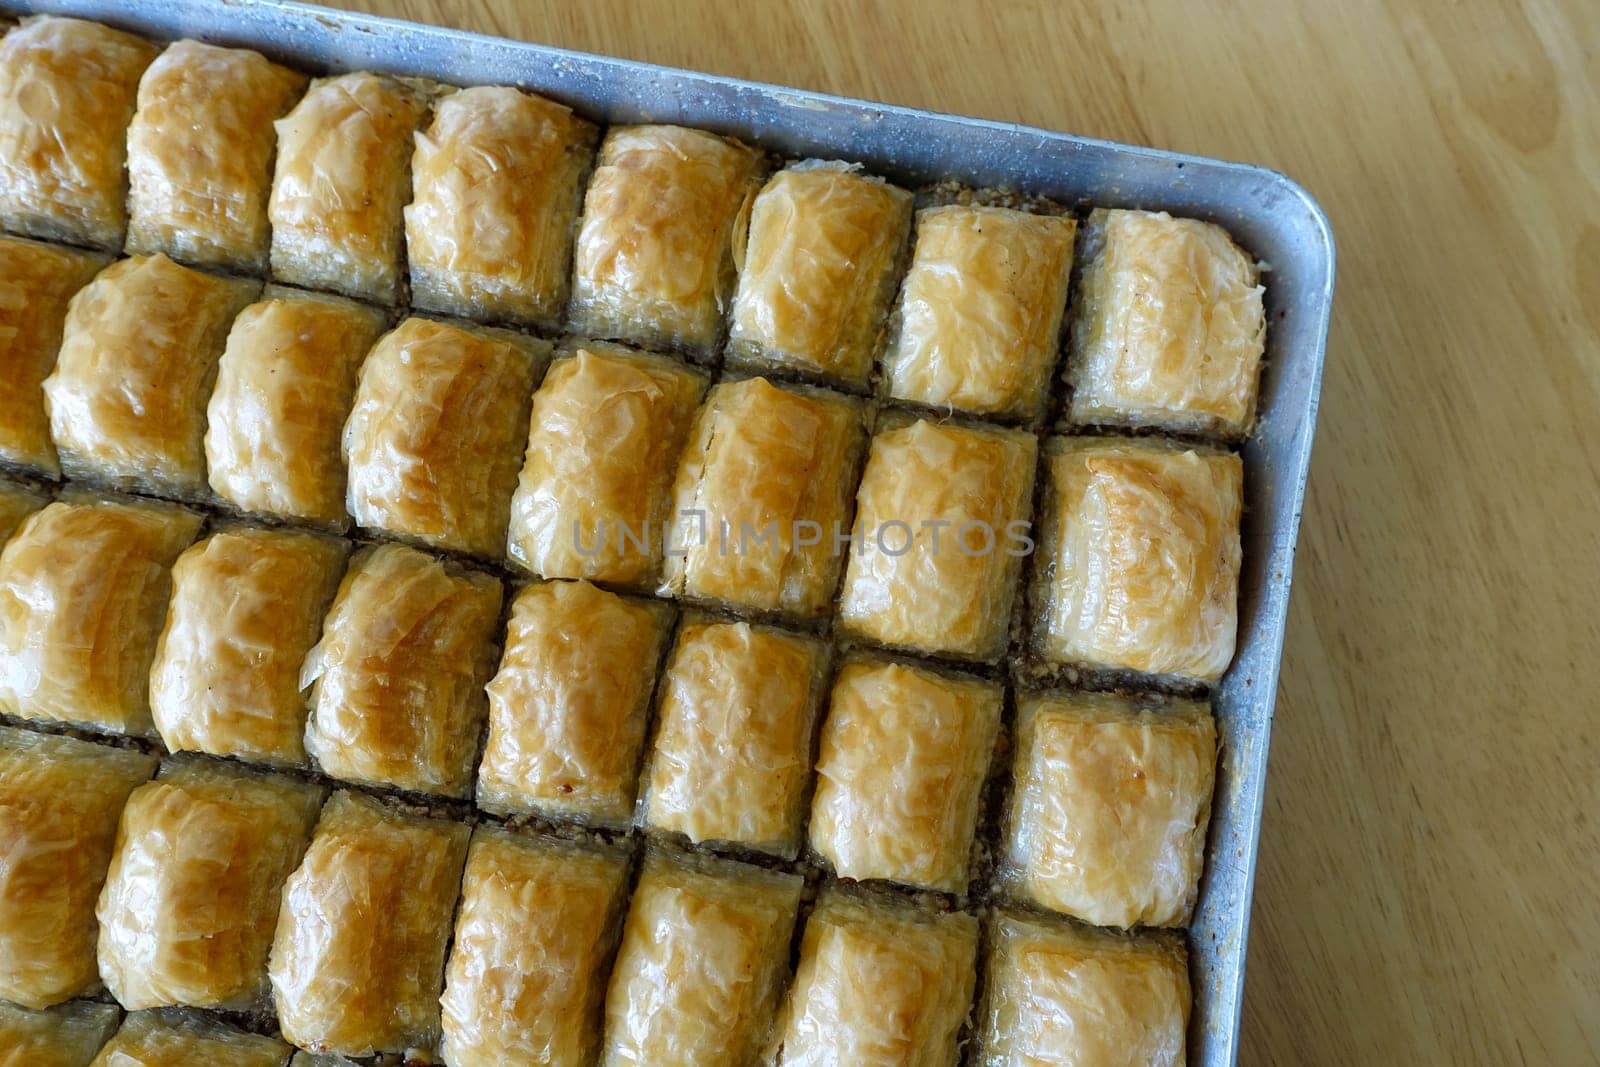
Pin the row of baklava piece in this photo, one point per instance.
(752, 739)
(366, 928)
(664, 237)
(619, 466)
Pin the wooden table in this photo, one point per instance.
(1429, 884)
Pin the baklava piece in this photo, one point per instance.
(497, 181)
(900, 774)
(181, 1039)
(607, 428)
(435, 438)
(357, 963)
(1062, 994)
(1168, 327)
(36, 283)
(570, 704)
(1110, 805)
(343, 178)
(655, 259)
(881, 983)
(704, 953)
(397, 680)
(67, 90)
(190, 901)
(83, 595)
(732, 751)
(820, 269)
(535, 932)
(64, 1036)
(1139, 557)
(978, 328)
(200, 155)
(247, 605)
(285, 386)
(60, 799)
(127, 398)
(940, 532)
(17, 502)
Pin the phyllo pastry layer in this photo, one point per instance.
(181, 1039)
(17, 501)
(65, 1036)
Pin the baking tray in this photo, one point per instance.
(1267, 213)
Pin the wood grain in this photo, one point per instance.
(1429, 886)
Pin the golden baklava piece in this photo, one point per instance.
(1168, 327)
(534, 935)
(497, 181)
(36, 283)
(569, 706)
(704, 954)
(139, 351)
(880, 983)
(83, 595)
(655, 259)
(1109, 807)
(900, 772)
(1139, 557)
(820, 268)
(607, 427)
(68, 1035)
(435, 438)
(342, 180)
(60, 799)
(200, 155)
(397, 680)
(1063, 994)
(979, 322)
(67, 91)
(763, 487)
(941, 517)
(191, 898)
(180, 1038)
(17, 501)
(247, 605)
(285, 386)
(732, 752)
(358, 958)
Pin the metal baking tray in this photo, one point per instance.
(1267, 213)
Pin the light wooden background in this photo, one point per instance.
(1429, 886)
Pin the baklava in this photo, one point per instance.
(900, 773)
(200, 155)
(180, 1039)
(127, 398)
(64, 1036)
(188, 909)
(940, 532)
(83, 595)
(731, 757)
(60, 799)
(820, 268)
(1139, 557)
(285, 386)
(1168, 327)
(397, 680)
(1062, 994)
(704, 954)
(880, 983)
(607, 428)
(663, 215)
(1109, 807)
(17, 501)
(342, 179)
(67, 92)
(978, 327)
(534, 935)
(357, 962)
(247, 605)
(762, 491)
(435, 438)
(36, 283)
(497, 180)
(569, 706)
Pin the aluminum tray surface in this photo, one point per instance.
(1267, 213)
